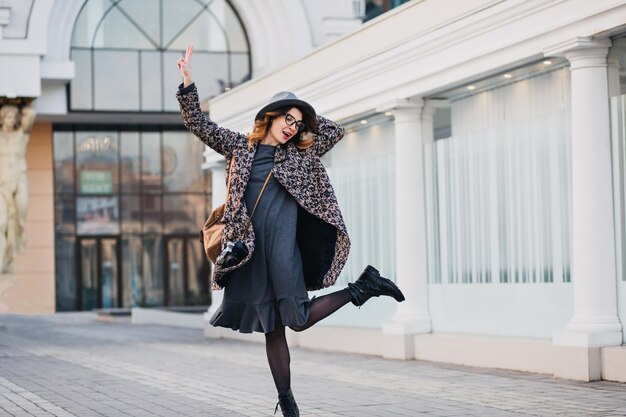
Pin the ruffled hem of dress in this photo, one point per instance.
(262, 318)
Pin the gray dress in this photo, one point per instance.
(269, 290)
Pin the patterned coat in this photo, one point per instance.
(321, 233)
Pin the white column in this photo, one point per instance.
(615, 53)
(412, 315)
(216, 163)
(595, 322)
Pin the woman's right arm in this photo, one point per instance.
(221, 140)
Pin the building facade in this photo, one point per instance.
(482, 168)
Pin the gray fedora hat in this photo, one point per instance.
(285, 99)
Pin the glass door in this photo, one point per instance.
(99, 277)
(186, 272)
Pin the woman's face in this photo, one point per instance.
(282, 132)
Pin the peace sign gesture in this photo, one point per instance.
(184, 65)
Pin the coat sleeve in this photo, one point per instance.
(326, 135)
(221, 140)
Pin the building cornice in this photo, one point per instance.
(482, 38)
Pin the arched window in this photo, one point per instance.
(125, 52)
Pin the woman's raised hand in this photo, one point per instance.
(184, 65)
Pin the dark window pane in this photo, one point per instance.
(182, 163)
(151, 162)
(153, 271)
(183, 213)
(64, 212)
(130, 162)
(63, 162)
(97, 160)
(175, 272)
(109, 270)
(131, 213)
(65, 265)
(151, 213)
(199, 273)
(89, 269)
(132, 278)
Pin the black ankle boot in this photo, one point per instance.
(287, 405)
(371, 284)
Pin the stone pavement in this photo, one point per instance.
(75, 365)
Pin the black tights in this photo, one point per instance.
(276, 342)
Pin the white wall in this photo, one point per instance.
(361, 171)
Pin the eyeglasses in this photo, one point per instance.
(290, 120)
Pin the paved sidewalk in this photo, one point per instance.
(74, 365)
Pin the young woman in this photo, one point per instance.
(296, 239)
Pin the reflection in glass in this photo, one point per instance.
(97, 155)
(64, 162)
(151, 207)
(153, 271)
(182, 163)
(97, 216)
(133, 287)
(183, 213)
(89, 273)
(151, 162)
(131, 214)
(109, 270)
(64, 214)
(130, 162)
(175, 272)
(120, 188)
(198, 274)
(65, 266)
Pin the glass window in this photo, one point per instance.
(132, 278)
(65, 266)
(64, 162)
(130, 162)
(97, 216)
(115, 191)
(153, 294)
(125, 51)
(151, 162)
(116, 87)
(150, 78)
(131, 214)
(64, 216)
(182, 163)
(151, 211)
(97, 159)
(183, 213)
(81, 93)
